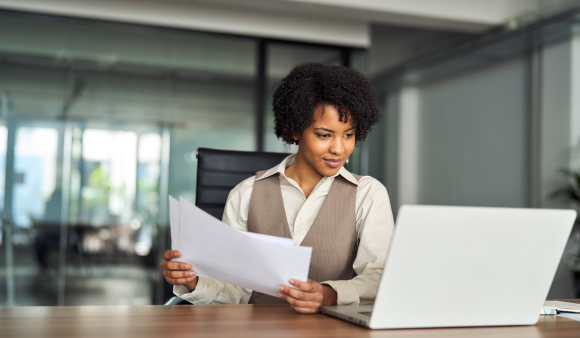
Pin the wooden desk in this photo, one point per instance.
(236, 321)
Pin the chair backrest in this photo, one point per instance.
(219, 171)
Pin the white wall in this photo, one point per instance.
(492, 136)
(461, 140)
(472, 137)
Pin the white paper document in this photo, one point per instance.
(570, 315)
(254, 261)
(174, 222)
(562, 306)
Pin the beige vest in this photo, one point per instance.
(333, 235)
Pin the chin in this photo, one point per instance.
(326, 171)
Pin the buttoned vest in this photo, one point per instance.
(332, 236)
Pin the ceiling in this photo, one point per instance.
(336, 22)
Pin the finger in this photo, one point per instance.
(305, 310)
(177, 266)
(299, 303)
(305, 286)
(169, 254)
(169, 265)
(179, 281)
(301, 295)
(178, 274)
(288, 299)
(305, 304)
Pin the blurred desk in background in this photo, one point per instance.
(84, 264)
(229, 321)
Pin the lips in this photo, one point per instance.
(332, 163)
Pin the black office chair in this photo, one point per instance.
(218, 172)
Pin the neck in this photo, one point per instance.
(303, 173)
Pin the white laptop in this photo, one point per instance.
(465, 266)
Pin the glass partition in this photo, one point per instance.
(35, 202)
(99, 122)
(91, 104)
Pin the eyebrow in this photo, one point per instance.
(332, 131)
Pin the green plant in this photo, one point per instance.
(96, 192)
(571, 192)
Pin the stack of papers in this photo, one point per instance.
(254, 261)
(562, 309)
(552, 307)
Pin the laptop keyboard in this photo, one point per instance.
(368, 313)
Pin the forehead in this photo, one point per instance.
(328, 114)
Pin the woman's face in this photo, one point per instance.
(327, 142)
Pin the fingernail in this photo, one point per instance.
(188, 266)
(292, 281)
(191, 274)
(281, 288)
(280, 295)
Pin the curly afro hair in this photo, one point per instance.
(310, 85)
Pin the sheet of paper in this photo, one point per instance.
(254, 261)
(273, 239)
(174, 222)
(570, 315)
(562, 306)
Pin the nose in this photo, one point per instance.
(337, 146)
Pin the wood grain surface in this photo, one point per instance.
(237, 321)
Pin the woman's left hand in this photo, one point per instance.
(310, 297)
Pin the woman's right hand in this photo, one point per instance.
(178, 273)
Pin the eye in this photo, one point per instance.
(323, 136)
(349, 135)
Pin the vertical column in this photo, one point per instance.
(260, 94)
(533, 127)
(554, 120)
(7, 217)
(408, 187)
(391, 146)
(64, 211)
(575, 102)
(163, 210)
(345, 57)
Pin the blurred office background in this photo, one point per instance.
(104, 103)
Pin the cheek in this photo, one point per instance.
(317, 147)
(322, 148)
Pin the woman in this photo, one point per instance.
(311, 198)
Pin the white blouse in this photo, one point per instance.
(374, 224)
